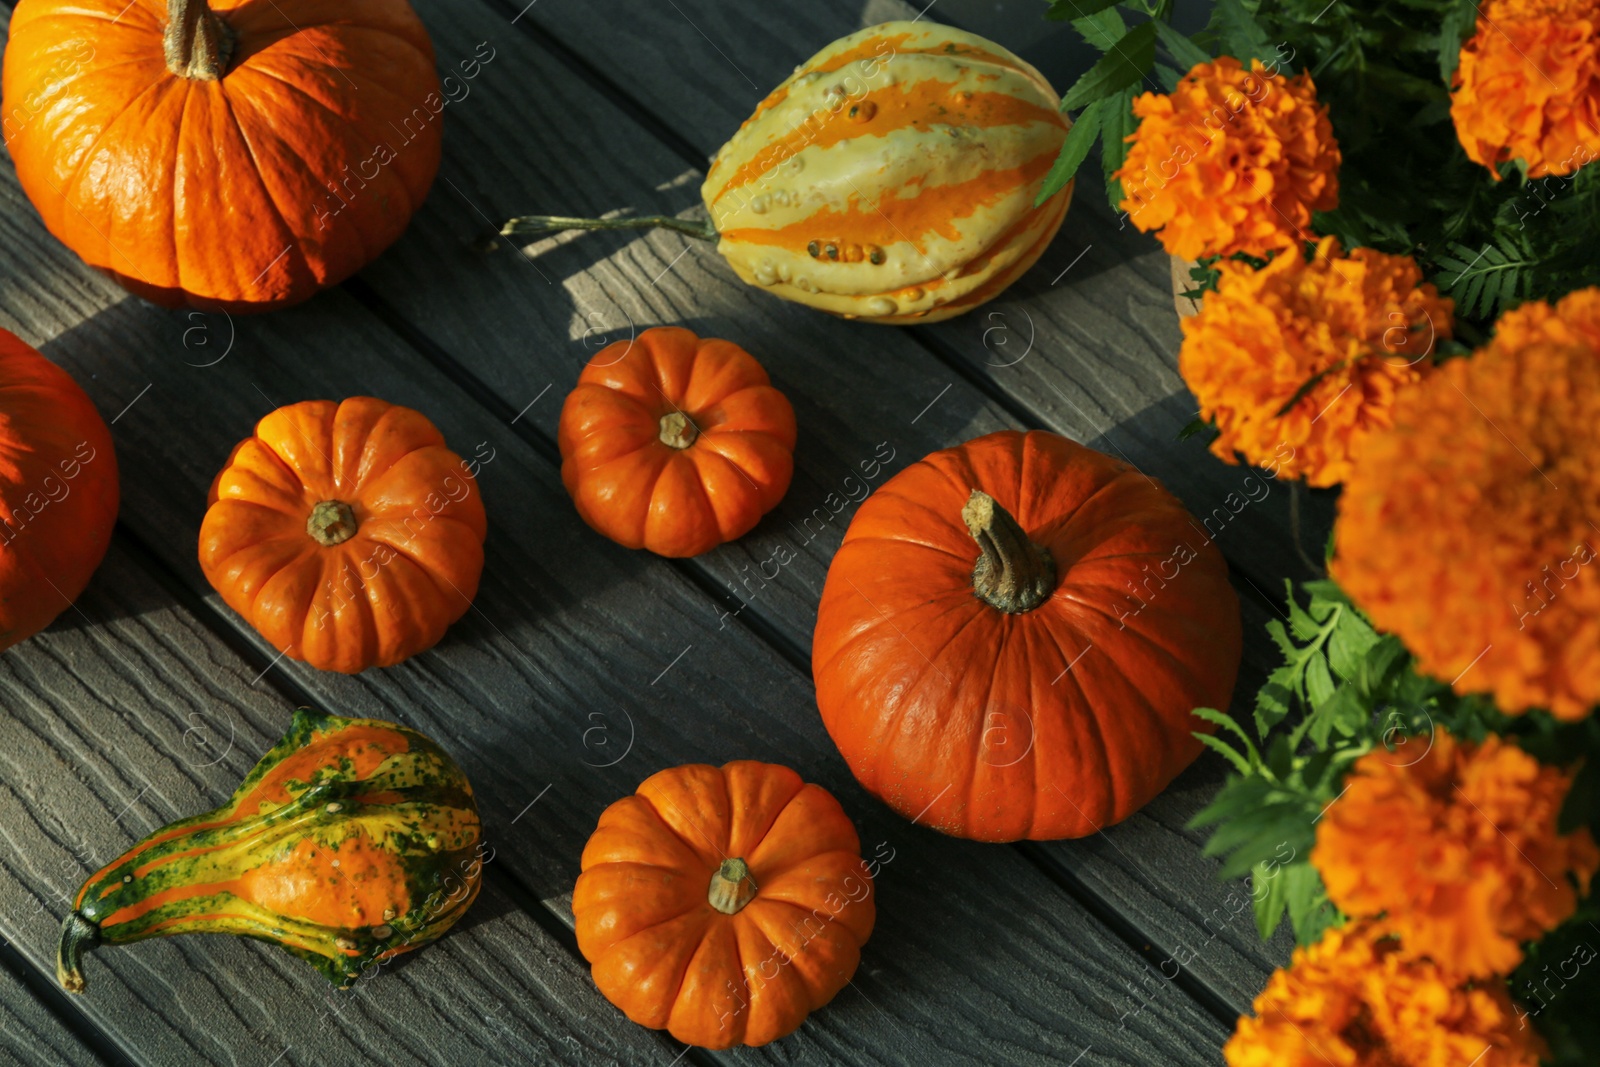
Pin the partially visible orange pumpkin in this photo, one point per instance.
(723, 904)
(58, 490)
(1013, 635)
(241, 156)
(675, 443)
(347, 534)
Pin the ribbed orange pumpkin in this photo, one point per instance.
(675, 443)
(723, 904)
(347, 534)
(58, 490)
(890, 179)
(1000, 678)
(239, 158)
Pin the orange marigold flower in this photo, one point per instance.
(1360, 325)
(1528, 86)
(1354, 999)
(1468, 528)
(1456, 849)
(1233, 160)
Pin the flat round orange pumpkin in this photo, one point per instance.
(675, 443)
(347, 534)
(723, 904)
(1013, 634)
(58, 490)
(241, 156)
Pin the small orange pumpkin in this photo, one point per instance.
(723, 904)
(1001, 677)
(58, 490)
(674, 443)
(347, 534)
(240, 156)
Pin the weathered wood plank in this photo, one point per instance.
(129, 713)
(868, 401)
(567, 628)
(1085, 343)
(29, 1035)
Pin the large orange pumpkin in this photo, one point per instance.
(58, 490)
(674, 443)
(240, 157)
(347, 534)
(1013, 634)
(723, 904)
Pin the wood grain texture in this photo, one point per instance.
(575, 644)
(869, 401)
(129, 713)
(32, 1037)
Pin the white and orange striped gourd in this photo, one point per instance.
(891, 178)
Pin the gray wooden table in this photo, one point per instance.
(584, 667)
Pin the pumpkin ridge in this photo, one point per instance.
(698, 936)
(756, 840)
(776, 875)
(300, 162)
(742, 1015)
(660, 485)
(64, 193)
(1098, 732)
(295, 249)
(1036, 769)
(152, 21)
(815, 995)
(299, 91)
(366, 74)
(180, 255)
(958, 473)
(891, 728)
(699, 459)
(978, 737)
(403, 548)
(362, 605)
(1141, 635)
(673, 830)
(1118, 477)
(386, 584)
(292, 155)
(675, 870)
(909, 542)
(368, 480)
(289, 562)
(958, 597)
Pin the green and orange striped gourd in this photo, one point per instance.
(352, 841)
(891, 178)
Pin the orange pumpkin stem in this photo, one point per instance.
(197, 44)
(1012, 574)
(677, 431)
(331, 522)
(731, 887)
